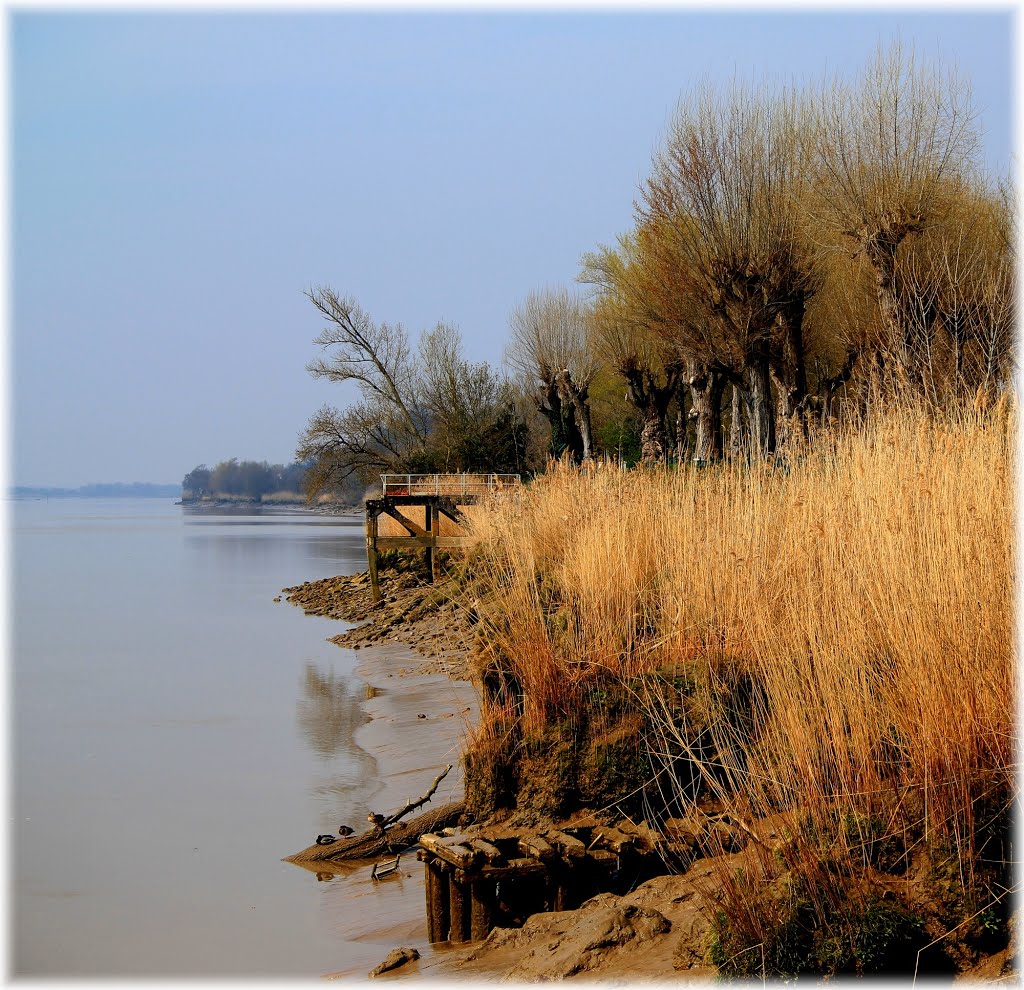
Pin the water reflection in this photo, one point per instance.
(329, 714)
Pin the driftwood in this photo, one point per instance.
(372, 843)
(387, 834)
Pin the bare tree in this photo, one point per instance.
(888, 149)
(376, 356)
(424, 411)
(549, 350)
(955, 293)
(726, 188)
(627, 331)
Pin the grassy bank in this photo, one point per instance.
(829, 641)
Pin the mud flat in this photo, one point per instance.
(415, 725)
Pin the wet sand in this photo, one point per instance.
(373, 917)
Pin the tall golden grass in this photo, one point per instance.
(864, 589)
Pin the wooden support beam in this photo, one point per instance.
(371, 552)
(419, 542)
(482, 909)
(438, 905)
(432, 528)
(461, 907)
(413, 528)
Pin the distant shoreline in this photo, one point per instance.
(244, 502)
(135, 489)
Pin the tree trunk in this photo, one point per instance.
(760, 406)
(564, 435)
(706, 388)
(682, 440)
(793, 366)
(579, 400)
(737, 433)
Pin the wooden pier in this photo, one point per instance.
(437, 495)
(486, 877)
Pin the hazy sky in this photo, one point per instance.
(178, 180)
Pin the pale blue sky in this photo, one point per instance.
(178, 180)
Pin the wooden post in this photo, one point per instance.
(438, 913)
(460, 907)
(432, 527)
(371, 552)
(480, 913)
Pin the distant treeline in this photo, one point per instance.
(117, 489)
(242, 479)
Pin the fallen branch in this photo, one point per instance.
(382, 823)
(388, 833)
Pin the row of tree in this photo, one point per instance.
(243, 479)
(795, 250)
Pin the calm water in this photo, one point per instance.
(175, 733)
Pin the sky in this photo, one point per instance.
(177, 181)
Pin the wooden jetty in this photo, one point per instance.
(438, 495)
(482, 877)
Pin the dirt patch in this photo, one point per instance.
(658, 931)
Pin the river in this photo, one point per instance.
(175, 733)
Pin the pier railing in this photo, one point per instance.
(452, 485)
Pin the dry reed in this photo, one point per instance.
(864, 589)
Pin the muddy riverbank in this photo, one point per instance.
(415, 725)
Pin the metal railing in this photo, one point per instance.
(445, 484)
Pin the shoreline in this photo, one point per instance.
(416, 642)
(408, 752)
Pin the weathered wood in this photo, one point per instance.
(513, 869)
(481, 910)
(611, 838)
(491, 853)
(450, 850)
(603, 858)
(438, 910)
(433, 526)
(371, 554)
(413, 528)
(461, 920)
(567, 845)
(419, 542)
(534, 845)
(372, 843)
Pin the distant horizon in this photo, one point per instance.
(71, 489)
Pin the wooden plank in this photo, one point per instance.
(534, 845)
(449, 850)
(566, 844)
(418, 543)
(611, 838)
(491, 853)
(515, 868)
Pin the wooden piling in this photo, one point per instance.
(371, 553)
(461, 919)
(438, 911)
(481, 911)
(430, 553)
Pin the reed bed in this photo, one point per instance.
(841, 624)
